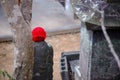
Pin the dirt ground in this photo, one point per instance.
(60, 43)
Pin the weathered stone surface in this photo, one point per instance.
(103, 64)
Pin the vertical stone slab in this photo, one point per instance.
(85, 51)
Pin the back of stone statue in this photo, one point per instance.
(43, 61)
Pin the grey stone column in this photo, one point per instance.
(85, 51)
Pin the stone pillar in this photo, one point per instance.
(85, 51)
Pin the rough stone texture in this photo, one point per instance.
(43, 61)
(103, 64)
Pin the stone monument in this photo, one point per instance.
(96, 59)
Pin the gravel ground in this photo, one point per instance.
(60, 43)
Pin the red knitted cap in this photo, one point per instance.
(38, 34)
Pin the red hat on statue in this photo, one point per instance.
(38, 34)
